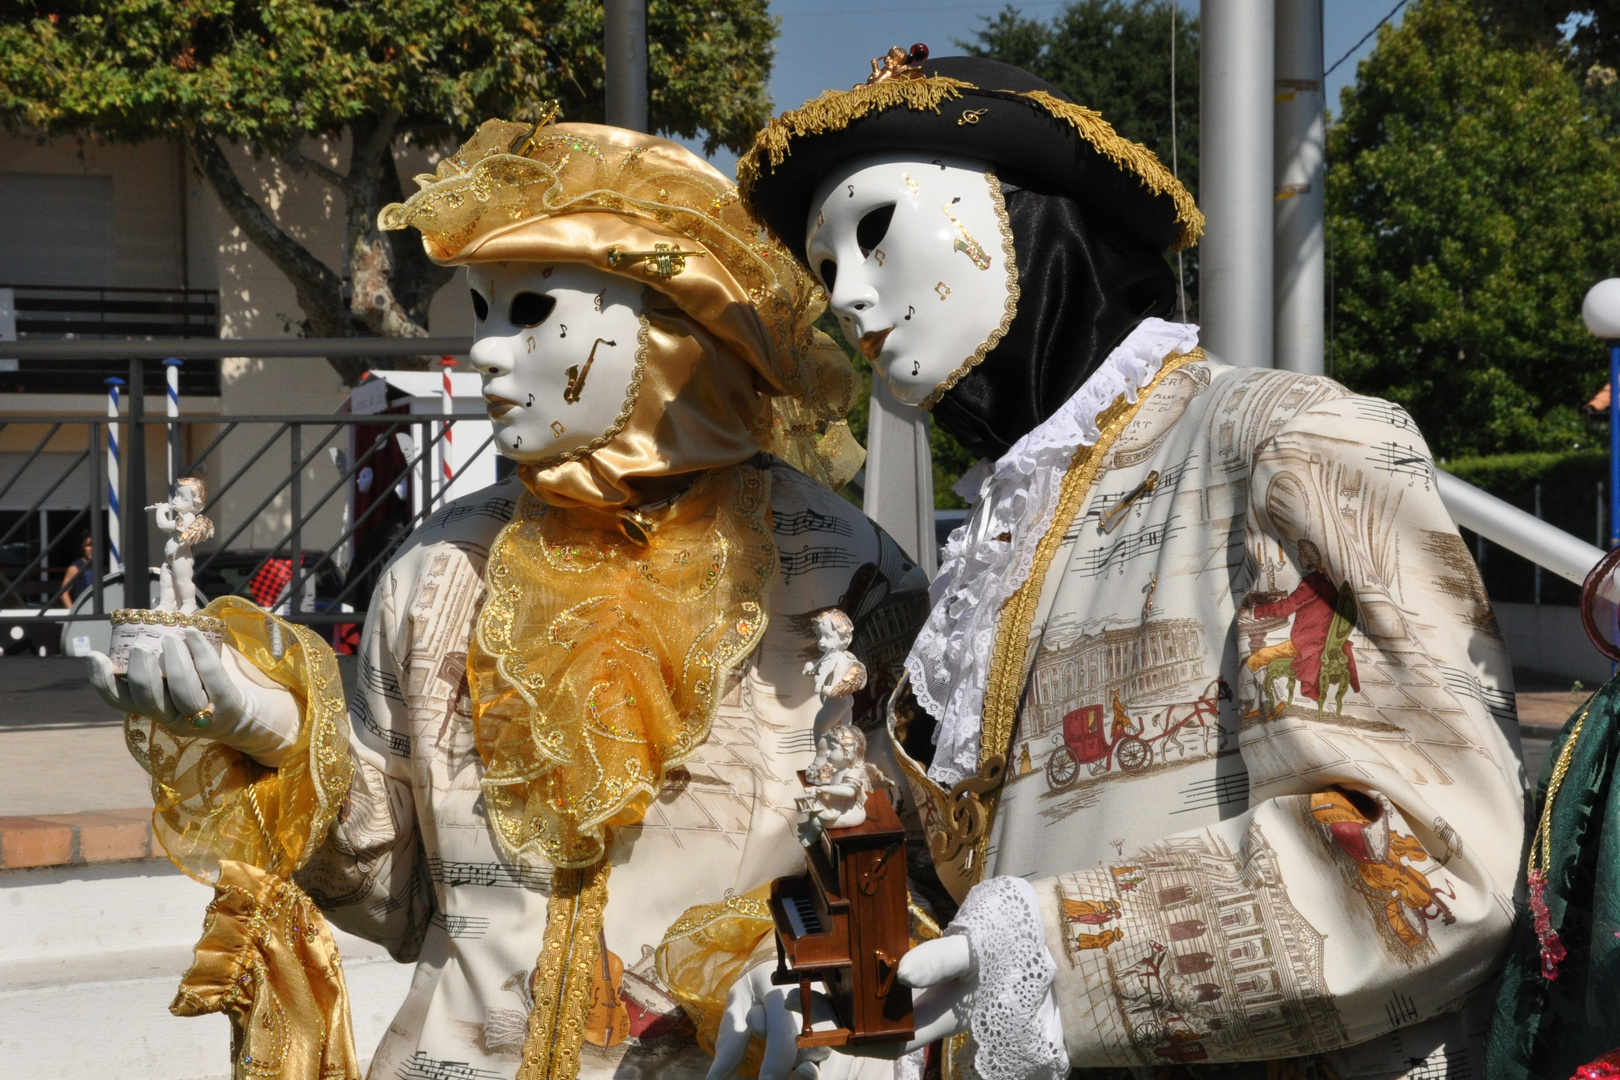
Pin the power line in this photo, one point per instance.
(1364, 38)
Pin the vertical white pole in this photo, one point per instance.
(1236, 180)
(171, 370)
(1301, 153)
(115, 561)
(900, 476)
(447, 445)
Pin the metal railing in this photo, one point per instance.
(341, 567)
(258, 462)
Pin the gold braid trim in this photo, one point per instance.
(563, 973)
(835, 110)
(1009, 309)
(1130, 156)
(1009, 663)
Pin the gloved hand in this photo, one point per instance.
(196, 690)
(994, 948)
(943, 969)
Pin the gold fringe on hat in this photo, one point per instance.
(836, 110)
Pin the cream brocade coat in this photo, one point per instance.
(412, 863)
(1285, 829)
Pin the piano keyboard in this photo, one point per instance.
(802, 917)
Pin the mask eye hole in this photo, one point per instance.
(480, 306)
(873, 228)
(531, 309)
(829, 273)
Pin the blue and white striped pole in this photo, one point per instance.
(171, 368)
(115, 561)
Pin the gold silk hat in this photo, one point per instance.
(734, 363)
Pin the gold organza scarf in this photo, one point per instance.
(595, 668)
(266, 959)
(597, 663)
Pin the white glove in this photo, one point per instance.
(235, 703)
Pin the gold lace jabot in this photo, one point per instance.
(597, 663)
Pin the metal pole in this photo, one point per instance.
(900, 476)
(115, 537)
(98, 526)
(137, 573)
(295, 497)
(1236, 179)
(1537, 594)
(1614, 444)
(626, 55)
(1301, 134)
(171, 371)
(447, 430)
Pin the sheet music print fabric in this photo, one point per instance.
(412, 863)
(1265, 775)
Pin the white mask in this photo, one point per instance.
(917, 259)
(558, 347)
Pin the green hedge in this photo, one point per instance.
(1569, 499)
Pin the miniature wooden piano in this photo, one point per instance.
(844, 923)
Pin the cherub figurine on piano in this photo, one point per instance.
(844, 922)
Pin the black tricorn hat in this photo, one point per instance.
(970, 107)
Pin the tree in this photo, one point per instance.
(1471, 202)
(1112, 56)
(377, 76)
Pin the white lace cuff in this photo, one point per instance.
(1014, 1023)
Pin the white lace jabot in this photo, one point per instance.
(1016, 497)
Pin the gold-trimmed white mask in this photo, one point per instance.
(560, 348)
(917, 259)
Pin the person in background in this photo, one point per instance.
(80, 576)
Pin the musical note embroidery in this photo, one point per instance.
(851, 190)
(910, 311)
(916, 367)
(557, 430)
(422, 1067)
(577, 374)
(808, 521)
(807, 559)
(880, 255)
(943, 289)
(564, 328)
(530, 342)
(965, 242)
(599, 300)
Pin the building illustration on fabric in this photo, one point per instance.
(1084, 719)
(1204, 954)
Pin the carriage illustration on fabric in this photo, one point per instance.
(1097, 743)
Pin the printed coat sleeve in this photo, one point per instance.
(1380, 844)
(370, 876)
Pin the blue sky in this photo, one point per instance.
(830, 43)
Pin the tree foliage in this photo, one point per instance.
(270, 75)
(1472, 200)
(1112, 56)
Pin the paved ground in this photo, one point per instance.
(62, 750)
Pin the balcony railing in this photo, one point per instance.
(80, 313)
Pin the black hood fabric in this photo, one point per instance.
(1083, 287)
